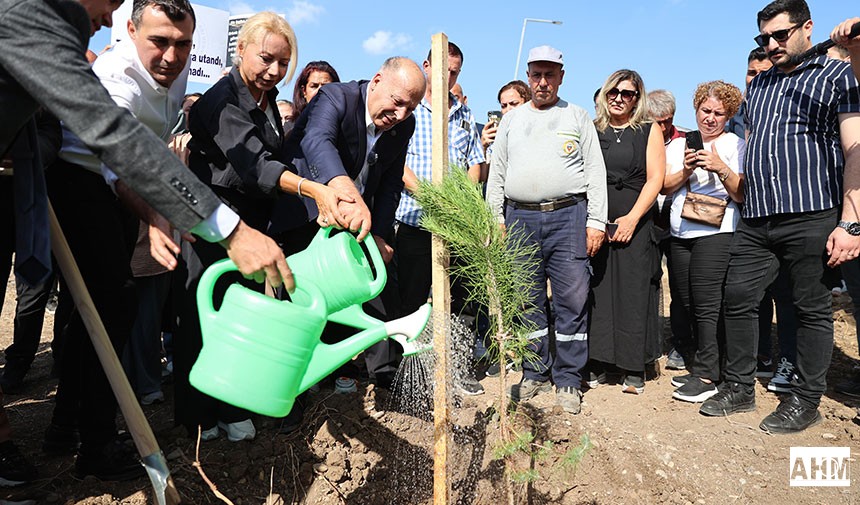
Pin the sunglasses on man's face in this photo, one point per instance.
(626, 94)
(780, 35)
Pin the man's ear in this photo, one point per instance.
(132, 31)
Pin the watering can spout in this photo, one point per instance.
(326, 358)
(396, 330)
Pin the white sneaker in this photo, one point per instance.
(210, 434)
(242, 430)
(150, 398)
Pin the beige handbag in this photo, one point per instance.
(704, 209)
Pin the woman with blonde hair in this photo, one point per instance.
(236, 148)
(624, 330)
(700, 251)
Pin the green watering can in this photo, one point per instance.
(259, 353)
(338, 266)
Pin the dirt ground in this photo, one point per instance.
(358, 449)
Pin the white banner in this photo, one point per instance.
(210, 41)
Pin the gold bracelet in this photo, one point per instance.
(299, 187)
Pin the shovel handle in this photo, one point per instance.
(140, 430)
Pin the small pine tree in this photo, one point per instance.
(496, 269)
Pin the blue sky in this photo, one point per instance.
(673, 44)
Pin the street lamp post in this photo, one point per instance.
(523, 36)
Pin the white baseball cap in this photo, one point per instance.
(545, 53)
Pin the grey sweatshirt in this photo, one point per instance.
(544, 154)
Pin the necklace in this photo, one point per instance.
(261, 100)
(617, 136)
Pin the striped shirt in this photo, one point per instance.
(464, 151)
(794, 157)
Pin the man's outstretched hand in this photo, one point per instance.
(258, 257)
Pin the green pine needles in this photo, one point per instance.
(495, 267)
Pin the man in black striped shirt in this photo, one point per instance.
(802, 158)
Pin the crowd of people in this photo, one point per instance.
(152, 185)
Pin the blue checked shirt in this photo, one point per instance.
(794, 157)
(464, 150)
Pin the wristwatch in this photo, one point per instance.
(724, 176)
(852, 228)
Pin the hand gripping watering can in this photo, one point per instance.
(340, 269)
(259, 353)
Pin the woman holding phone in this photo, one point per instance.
(624, 329)
(511, 96)
(708, 163)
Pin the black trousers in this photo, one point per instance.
(697, 276)
(679, 319)
(7, 231)
(761, 245)
(101, 234)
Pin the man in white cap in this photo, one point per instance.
(548, 181)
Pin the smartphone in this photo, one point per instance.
(694, 140)
(611, 228)
(494, 116)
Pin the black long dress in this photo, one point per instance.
(624, 319)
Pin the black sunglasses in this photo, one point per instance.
(780, 35)
(626, 94)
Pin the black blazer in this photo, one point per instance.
(237, 150)
(330, 139)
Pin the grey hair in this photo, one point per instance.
(662, 103)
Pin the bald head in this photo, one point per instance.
(457, 91)
(394, 92)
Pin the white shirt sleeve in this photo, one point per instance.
(218, 226)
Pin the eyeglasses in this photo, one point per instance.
(780, 35)
(626, 94)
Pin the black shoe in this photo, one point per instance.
(293, 421)
(731, 398)
(12, 381)
(61, 440)
(14, 467)
(634, 383)
(675, 361)
(383, 380)
(850, 387)
(593, 379)
(116, 461)
(790, 416)
(695, 391)
(469, 386)
(680, 380)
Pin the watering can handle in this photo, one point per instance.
(209, 277)
(381, 276)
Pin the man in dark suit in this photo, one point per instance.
(353, 136)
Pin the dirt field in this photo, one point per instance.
(357, 449)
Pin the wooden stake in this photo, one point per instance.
(441, 287)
